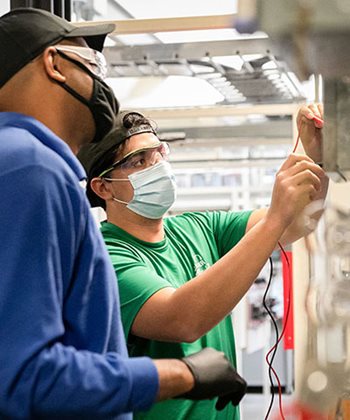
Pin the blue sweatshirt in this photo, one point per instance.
(62, 349)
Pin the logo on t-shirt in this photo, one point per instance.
(199, 264)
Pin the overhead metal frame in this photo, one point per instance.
(207, 126)
(271, 129)
(222, 111)
(189, 50)
(153, 59)
(146, 26)
(252, 83)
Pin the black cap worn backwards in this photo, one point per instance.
(26, 32)
(93, 155)
(97, 157)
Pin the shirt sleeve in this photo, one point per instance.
(41, 375)
(137, 281)
(229, 228)
(226, 227)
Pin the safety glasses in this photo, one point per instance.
(140, 159)
(95, 58)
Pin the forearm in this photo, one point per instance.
(62, 382)
(175, 378)
(201, 303)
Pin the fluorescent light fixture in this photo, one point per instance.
(137, 39)
(270, 65)
(252, 57)
(273, 76)
(292, 89)
(201, 69)
(234, 61)
(160, 9)
(210, 76)
(205, 35)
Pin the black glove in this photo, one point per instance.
(214, 376)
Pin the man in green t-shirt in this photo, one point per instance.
(180, 277)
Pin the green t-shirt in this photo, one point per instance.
(192, 243)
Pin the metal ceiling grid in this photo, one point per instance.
(262, 78)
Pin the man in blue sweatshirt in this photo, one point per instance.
(62, 348)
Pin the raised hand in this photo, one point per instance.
(298, 182)
(310, 124)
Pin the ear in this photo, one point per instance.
(52, 64)
(100, 188)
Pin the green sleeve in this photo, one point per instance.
(137, 281)
(229, 228)
(226, 228)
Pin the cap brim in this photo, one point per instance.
(93, 34)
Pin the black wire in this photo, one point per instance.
(276, 342)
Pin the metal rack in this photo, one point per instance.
(242, 71)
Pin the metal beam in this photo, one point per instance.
(227, 164)
(268, 130)
(196, 143)
(145, 26)
(188, 50)
(220, 111)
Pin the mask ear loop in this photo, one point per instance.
(84, 68)
(115, 179)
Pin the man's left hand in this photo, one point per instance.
(310, 124)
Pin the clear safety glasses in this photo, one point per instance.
(95, 58)
(140, 159)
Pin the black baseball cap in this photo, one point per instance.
(96, 157)
(92, 155)
(26, 32)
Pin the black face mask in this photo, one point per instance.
(103, 105)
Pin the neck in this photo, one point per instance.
(58, 121)
(147, 230)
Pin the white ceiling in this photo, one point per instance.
(157, 92)
(151, 9)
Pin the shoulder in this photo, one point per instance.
(187, 218)
(24, 157)
(209, 220)
(205, 218)
(20, 148)
(35, 178)
(120, 243)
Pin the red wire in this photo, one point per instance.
(287, 314)
(288, 307)
(286, 319)
(298, 138)
(279, 387)
(280, 338)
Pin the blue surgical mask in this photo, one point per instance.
(154, 191)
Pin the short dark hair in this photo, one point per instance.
(99, 156)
